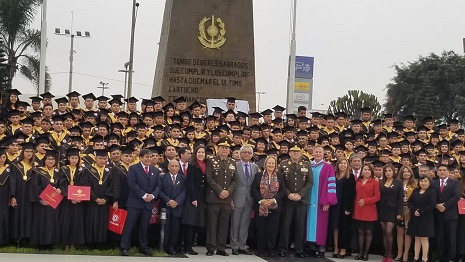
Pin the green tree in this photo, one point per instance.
(22, 44)
(353, 101)
(430, 86)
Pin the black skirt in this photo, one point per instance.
(364, 225)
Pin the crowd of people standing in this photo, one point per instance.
(264, 179)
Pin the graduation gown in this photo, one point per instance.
(5, 176)
(20, 188)
(45, 222)
(120, 187)
(72, 215)
(96, 216)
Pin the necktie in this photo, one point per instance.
(442, 185)
(174, 180)
(247, 174)
(356, 174)
(184, 169)
(146, 169)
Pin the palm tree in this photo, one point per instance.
(22, 44)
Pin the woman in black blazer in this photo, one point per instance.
(422, 203)
(194, 215)
(341, 213)
(268, 189)
(390, 207)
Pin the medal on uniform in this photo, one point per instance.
(25, 177)
(71, 183)
(100, 182)
(52, 180)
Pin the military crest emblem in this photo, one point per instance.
(212, 32)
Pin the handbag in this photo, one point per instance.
(461, 206)
(116, 220)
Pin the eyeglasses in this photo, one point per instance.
(246, 153)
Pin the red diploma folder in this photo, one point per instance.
(461, 205)
(81, 193)
(116, 220)
(49, 196)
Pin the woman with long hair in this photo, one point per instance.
(10, 103)
(341, 213)
(422, 203)
(21, 219)
(72, 211)
(268, 189)
(194, 215)
(5, 177)
(404, 241)
(365, 214)
(390, 207)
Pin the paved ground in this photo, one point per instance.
(200, 258)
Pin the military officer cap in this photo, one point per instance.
(294, 147)
(223, 142)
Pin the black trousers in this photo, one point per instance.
(171, 230)
(293, 213)
(217, 226)
(267, 230)
(142, 218)
(446, 239)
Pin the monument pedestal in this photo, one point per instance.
(206, 50)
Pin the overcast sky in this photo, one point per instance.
(355, 43)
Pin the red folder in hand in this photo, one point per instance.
(81, 193)
(51, 197)
(461, 205)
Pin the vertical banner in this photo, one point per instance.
(303, 85)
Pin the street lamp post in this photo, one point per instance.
(43, 48)
(69, 33)
(259, 93)
(103, 87)
(125, 71)
(135, 7)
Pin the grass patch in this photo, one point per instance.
(78, 251)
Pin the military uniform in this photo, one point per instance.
(221, 175)
(298, 178)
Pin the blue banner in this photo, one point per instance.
(304, 67)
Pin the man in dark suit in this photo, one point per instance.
(446, 214)
(143, 181)
(221, 178)
(173, 194)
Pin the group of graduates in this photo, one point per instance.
(65, 143)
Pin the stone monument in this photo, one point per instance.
(206, 50)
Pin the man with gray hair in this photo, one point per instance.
(355, 162)
(242, 202)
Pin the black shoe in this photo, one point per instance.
(245, 251)
(210, 253)
(359, 256)
(319, 254)
(365, 257)
(334, 255)
(170, 252)
(270, 254)
(146, 252)
(235, 252)
(299, 255)
(341, 256)
(222, 253)
(398, 259)
(191, 252)
(124, 252)
(282, 253)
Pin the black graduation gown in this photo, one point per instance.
(5, 177)
(120, 187)
(45, 222)
(72, 215)
(96, 216)
(21, 215)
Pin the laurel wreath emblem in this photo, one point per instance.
(211, 37)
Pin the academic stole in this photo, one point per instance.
(3, 178)
(48, 173)
(100, 172)
(72, 171)
(58, 138)
(23, 167)
(124, 169)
